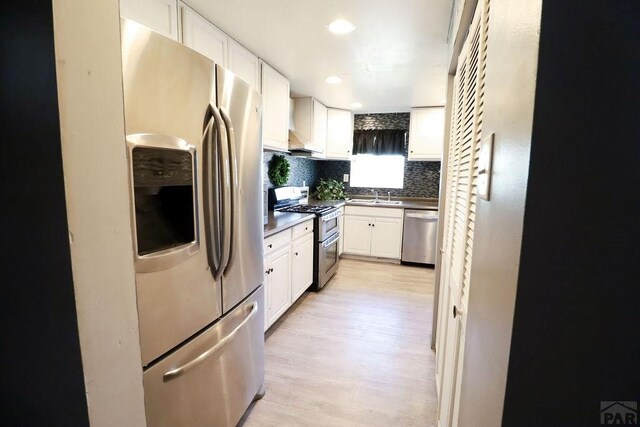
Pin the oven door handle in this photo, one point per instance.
(331, 240)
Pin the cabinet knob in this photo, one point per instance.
(369, 225)
(270, 245)
(266, 272)
(373, 225)
(296, 253)
(306, 228)
(271, 270)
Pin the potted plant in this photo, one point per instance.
(329, 189)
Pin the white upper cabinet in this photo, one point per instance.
(275, 103)
(243, 63)
(339, 133)
(159, 15)
(310, 123)
(203, 37)
(320, 128)
(426, 133)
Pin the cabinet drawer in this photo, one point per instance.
(302, 229)
(276, 241)
(373, 211)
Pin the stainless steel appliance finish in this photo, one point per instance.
(420, 235)
(326, 260)
(167, 91)
(328, 224)
(240, 107)
(193, 133)
(188, 389)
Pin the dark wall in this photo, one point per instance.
(575, 338)
(421, 179)
(42, 381)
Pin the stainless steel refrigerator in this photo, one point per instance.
(194, 146)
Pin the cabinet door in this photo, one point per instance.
(341, 229)
(339, 133)
(275, 115)
(320, 128)
(203, 37)
(301, 265)
(267, 299)
(386, 237)
(426, 133)
(159, 15)
(279, 282)
(243, 63)
(357, 235)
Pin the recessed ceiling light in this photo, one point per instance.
(334, 80)
(341, 26)
(356, 105)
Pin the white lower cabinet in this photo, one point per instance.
(386, 237)
(357, 235)
(278, 265)
(301, 265)
(373, 232)
(288, 264)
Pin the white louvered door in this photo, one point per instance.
(462, 175)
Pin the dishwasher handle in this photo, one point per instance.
(428, 215)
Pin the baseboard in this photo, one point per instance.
(370, 258)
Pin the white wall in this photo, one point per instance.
(87, 44)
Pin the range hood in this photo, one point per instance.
(299, 145)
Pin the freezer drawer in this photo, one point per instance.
(420, 236)
(212, 379)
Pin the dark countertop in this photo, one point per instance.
(279, 221)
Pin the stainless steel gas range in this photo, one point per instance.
(326, 229)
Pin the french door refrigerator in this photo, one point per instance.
(194, 147)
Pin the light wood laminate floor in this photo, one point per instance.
(355, 354)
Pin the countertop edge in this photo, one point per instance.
(287, 224)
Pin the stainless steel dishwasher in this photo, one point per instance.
(420, 236)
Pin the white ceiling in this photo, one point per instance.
(394, 60)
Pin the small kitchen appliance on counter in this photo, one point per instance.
(326, 229)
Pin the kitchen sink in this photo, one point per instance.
(363, 201)
(375, 202)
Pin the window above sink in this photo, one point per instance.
(375, 171)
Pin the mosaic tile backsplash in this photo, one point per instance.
(421, 179)
(302, 170)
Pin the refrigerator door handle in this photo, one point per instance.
(218, 232)
(211, 197)
(235, 185)
(177, 372)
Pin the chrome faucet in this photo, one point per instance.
(375, 193)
